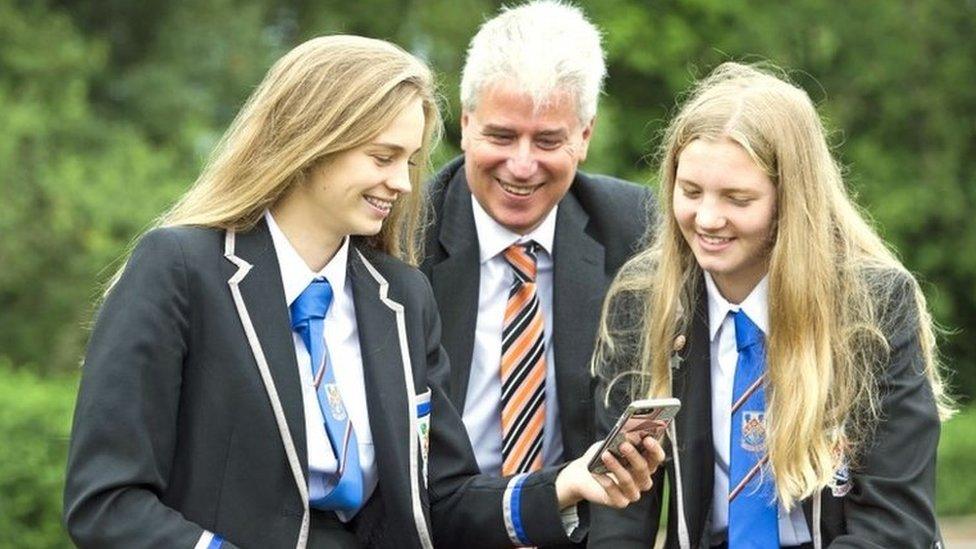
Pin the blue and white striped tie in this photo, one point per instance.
(308, 319)
(753, 520)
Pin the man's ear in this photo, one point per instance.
(585, 144)
(465, 128)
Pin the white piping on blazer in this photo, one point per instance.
(243, 267)
(683, 537)
(418, 513)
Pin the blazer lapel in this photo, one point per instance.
(260, 301)
(692, 384)
(579, 283)
(392, 415)
(264, 300)
(383, 375)
(456, 281)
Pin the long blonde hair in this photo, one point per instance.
(835, 289)
(326, 96)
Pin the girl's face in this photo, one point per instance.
(725, 205)
(354, 192)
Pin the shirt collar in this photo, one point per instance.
(493, 238)
(755, 306)
(295, 273)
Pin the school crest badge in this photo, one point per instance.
(336, 408)
(753, 431)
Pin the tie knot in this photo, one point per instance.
(313, 302)
(746, 332)
(522, 259)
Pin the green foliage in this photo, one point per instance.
(35, 416)
(956, 480)
(111, 107)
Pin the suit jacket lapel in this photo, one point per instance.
(692, 384)
(456, 281)
(579, 282)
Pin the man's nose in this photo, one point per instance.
(522, 164)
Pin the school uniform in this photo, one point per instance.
(884, 499)
(191, 426)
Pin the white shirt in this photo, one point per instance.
(342, 341)
(483, 401)
(724, 355)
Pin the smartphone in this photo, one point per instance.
(642, 418)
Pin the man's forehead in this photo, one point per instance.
(506, 106)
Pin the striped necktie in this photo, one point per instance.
(344, 490)
(523, 367)
(753, 520)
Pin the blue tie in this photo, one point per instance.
(753, 520)
(345, 488)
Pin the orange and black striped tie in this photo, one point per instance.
(523, 367)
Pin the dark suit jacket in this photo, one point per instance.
(599, 225)
(190, 416)
(890, 502)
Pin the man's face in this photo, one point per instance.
(520, 160)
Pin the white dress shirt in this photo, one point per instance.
(724, 355)
(342, 341)
(483, 401)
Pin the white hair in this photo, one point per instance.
(542, 47)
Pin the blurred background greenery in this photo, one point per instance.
(109, 108)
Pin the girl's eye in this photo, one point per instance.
(739, 201)
(383, 160)
(690, 193)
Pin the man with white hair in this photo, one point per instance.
(524, 245)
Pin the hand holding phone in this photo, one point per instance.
(642, 418)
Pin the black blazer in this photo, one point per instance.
(599, 225)
(890, 501)
(190, 417)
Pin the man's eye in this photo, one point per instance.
(499, 138)
(548, 144)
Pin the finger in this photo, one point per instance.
(612, 496)
(638, 467)
(625, 481)
(653, 453)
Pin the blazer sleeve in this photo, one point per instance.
(891, 502)
(637, 524)
(124, 430)
(468, 509)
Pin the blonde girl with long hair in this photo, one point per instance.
(264, 372)
(833, 440)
